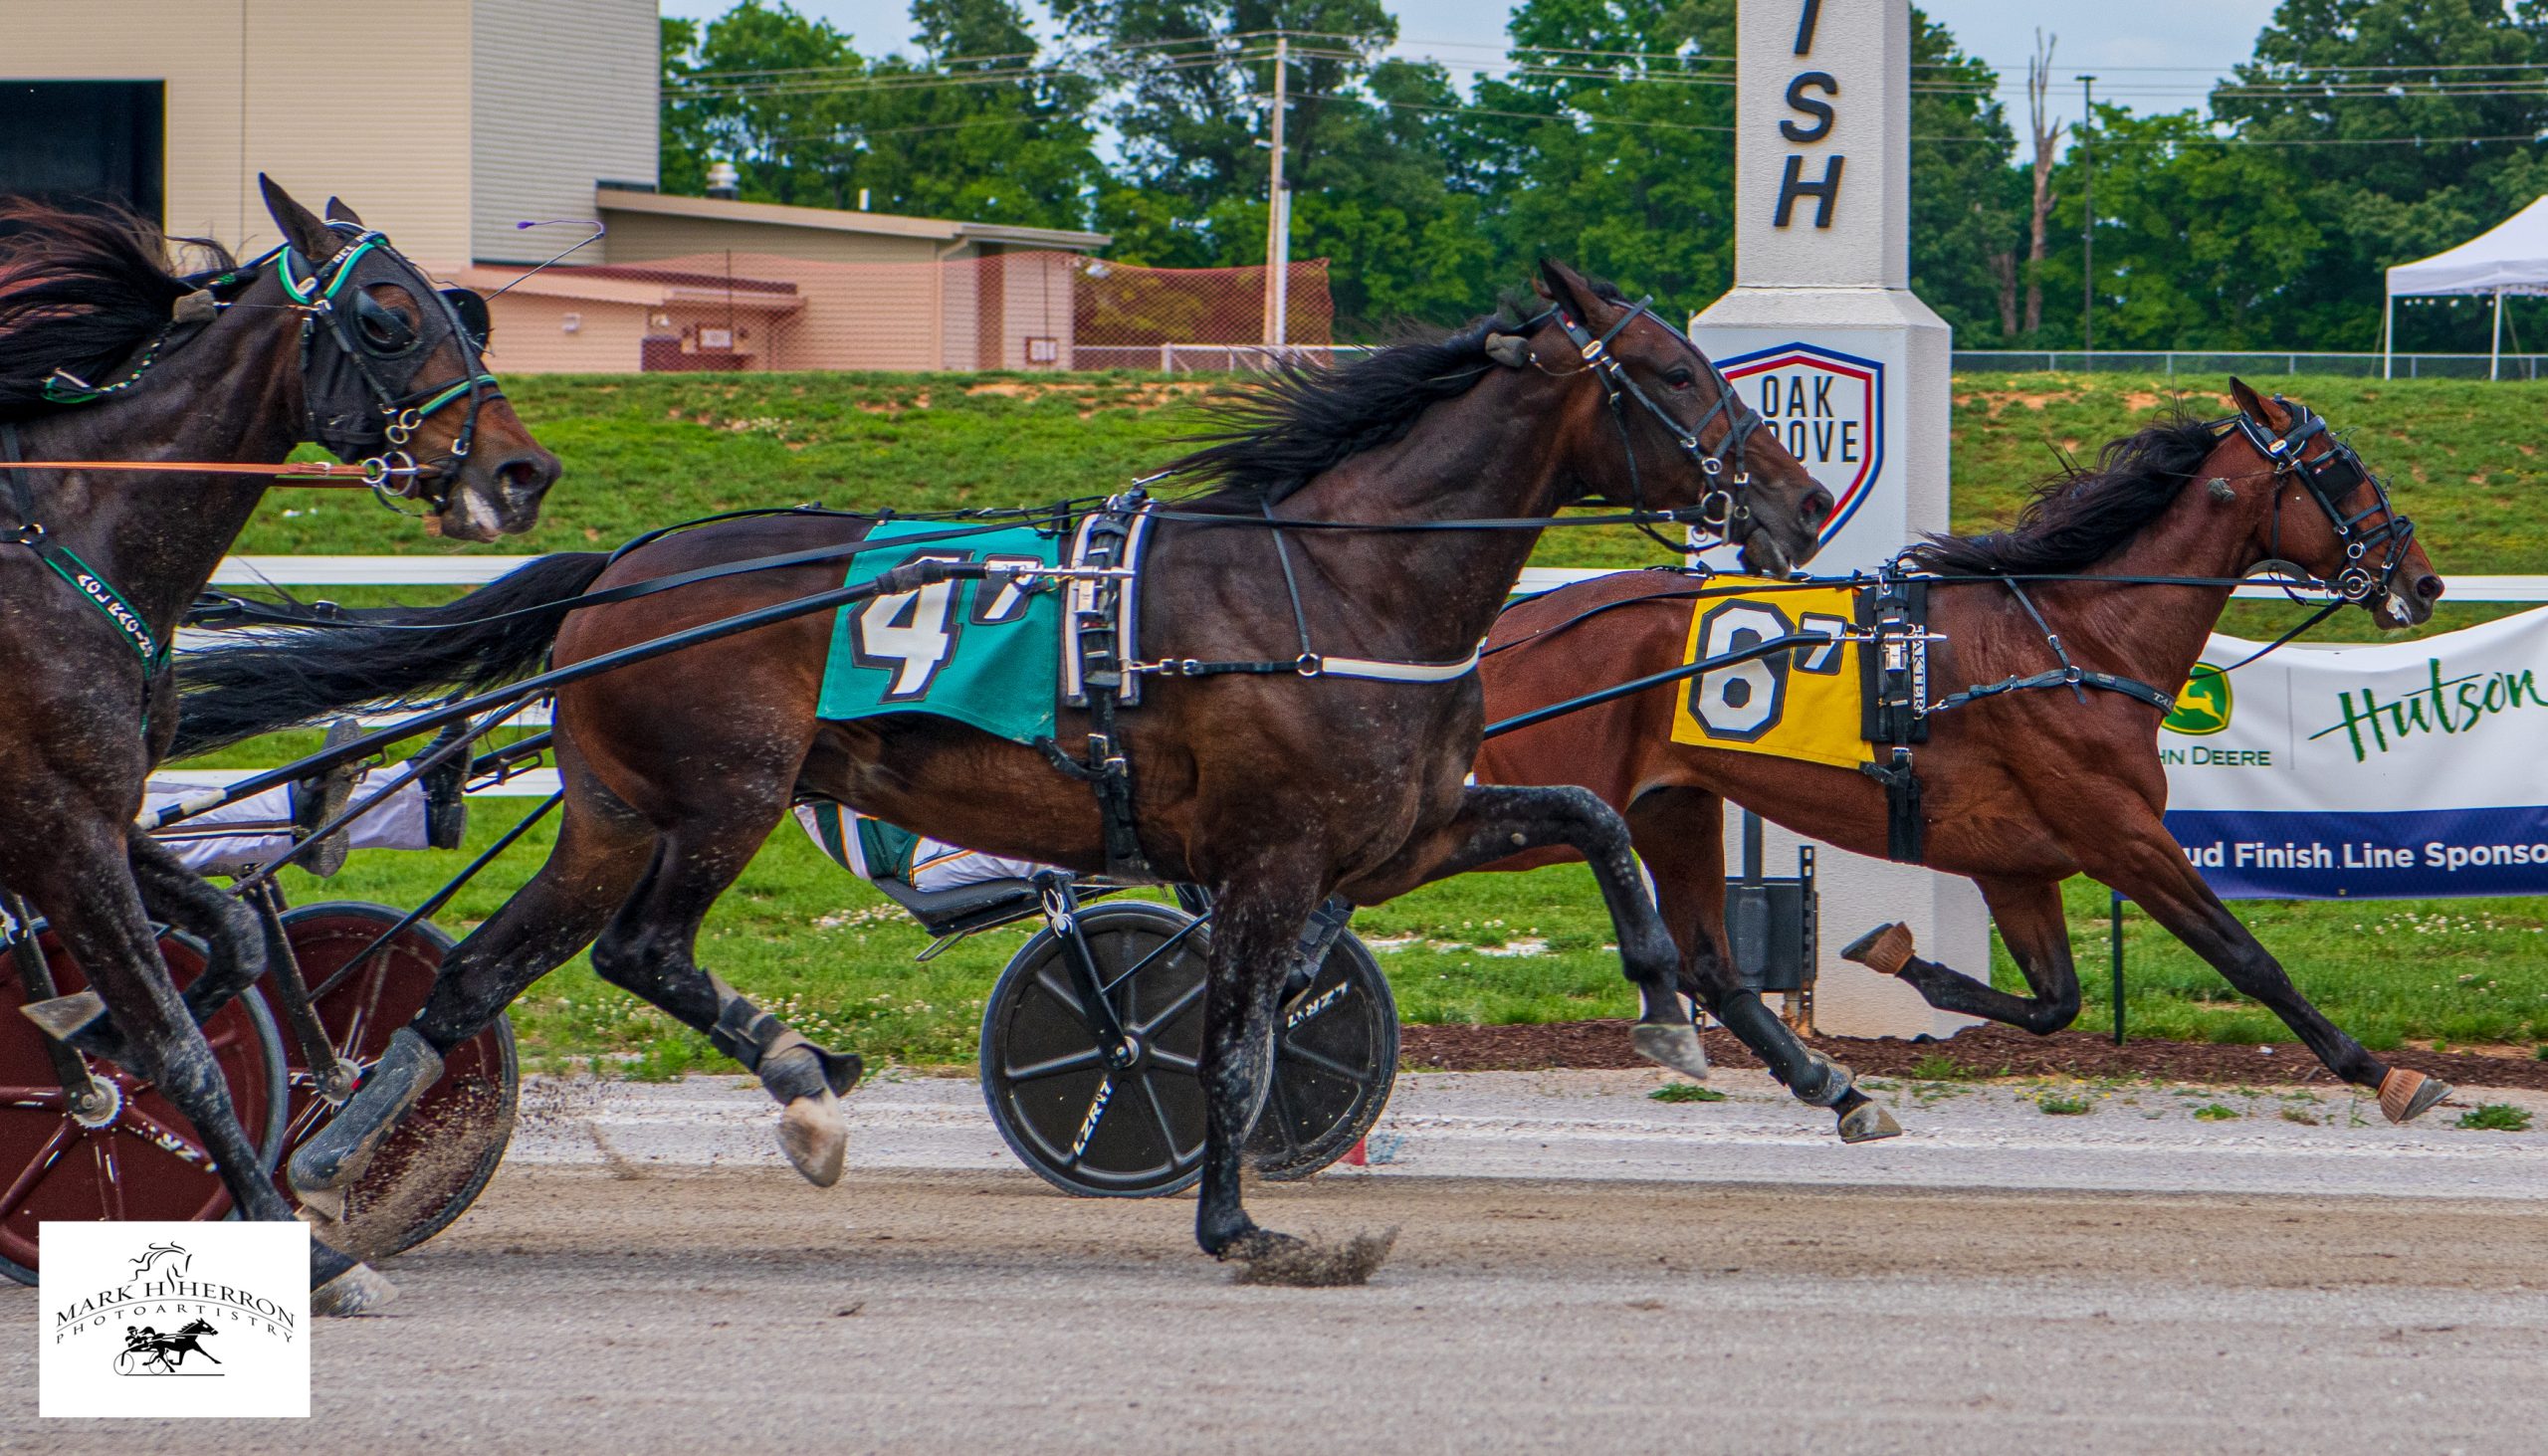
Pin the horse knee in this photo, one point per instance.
(2053, 1014)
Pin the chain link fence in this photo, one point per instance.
(2253, 361)
(761, 311)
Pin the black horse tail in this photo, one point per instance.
(287, 677)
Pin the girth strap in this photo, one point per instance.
(2073, 678)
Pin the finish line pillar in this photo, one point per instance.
(1823, 334)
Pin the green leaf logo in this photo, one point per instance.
(2203, 704)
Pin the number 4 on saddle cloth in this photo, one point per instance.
(985, 653)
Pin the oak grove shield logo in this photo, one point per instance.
(1826, 408)
(2203, 703)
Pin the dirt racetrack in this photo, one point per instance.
(727, 1307)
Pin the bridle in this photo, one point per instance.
(2330, 476)
(358, 408)
(1723, 504)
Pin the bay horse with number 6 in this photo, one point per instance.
(1368, 517)
(2020, 789)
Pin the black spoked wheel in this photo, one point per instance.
(1085, 1128)
(1139, 1132)
(1334, 1061)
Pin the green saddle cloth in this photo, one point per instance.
(982, 653)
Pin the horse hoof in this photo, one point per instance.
(814, 1136)
(2407, 1095)
(323, 1209)
(1884, 949)
(1674, 1044)
(1867, 1122)
(360, 1290)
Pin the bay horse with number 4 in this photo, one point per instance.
(109, 358)
(1362, 530)
(2020, 789)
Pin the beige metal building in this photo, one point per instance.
(444, 122)
(447, 123)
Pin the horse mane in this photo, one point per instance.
(2080, 515)
(79, 291)
(1303, 421)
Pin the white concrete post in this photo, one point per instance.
(1822, 335)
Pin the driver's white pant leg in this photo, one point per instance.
(937, 864)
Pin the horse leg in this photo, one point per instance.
(88, 894)
(2149, 868)
(1680, 834)
(600, 854)
(2029, 914)
(649, 948)
(1496, 822)
(1256, 922)
(233, 931)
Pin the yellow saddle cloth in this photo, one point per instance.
(1803, 703)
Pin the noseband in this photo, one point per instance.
(2330, 476)
(372, 415)
(1723, 504)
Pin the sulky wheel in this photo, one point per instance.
(445, 1152)
(137, 1159)
(1140, 1131)
(1334, 1061)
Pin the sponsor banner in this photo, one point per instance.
(2372, 770)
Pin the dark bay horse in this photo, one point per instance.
(1272, 789)
(108, 355)
(2021, 789)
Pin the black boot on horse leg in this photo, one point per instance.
(1680, 833)
(2029, 914)
(1255, 927)
(807, 1080)
(1499, 822)
(650, 949)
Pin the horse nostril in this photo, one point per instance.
(2428, 589)
(529, 474)
(1817, 506)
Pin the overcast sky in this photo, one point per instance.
(2155, 55)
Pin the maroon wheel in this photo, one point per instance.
(140, 1159)
(440, 1159)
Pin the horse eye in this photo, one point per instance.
(1679, 378)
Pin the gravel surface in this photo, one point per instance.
(1576, 1265)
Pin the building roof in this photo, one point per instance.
(944, 230)
(638, 285)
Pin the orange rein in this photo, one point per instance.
(308, 475)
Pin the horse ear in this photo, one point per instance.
(2256, 407)
(303, 230)
(337, 212)
(1562, 285)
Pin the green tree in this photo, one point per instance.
(1611, 145)
(1967, 201)
(975, 128)
(2201, 243)
(2409, 125)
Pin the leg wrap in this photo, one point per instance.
(340, 1150)
(789, 1065)
(1814, 1077)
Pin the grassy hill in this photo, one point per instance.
(644, 451)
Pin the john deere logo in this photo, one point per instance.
(2203, 704)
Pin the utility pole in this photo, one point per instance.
(1278, 213)
(2087, 218)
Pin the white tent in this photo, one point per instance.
(2510, 258)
